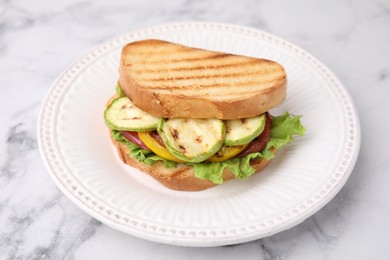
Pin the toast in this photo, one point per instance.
(171, 80)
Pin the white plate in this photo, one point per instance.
(306, 175)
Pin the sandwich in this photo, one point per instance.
(194, 118)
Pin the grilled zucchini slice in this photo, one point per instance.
(192, 140)
(243, 131)
(122, 114)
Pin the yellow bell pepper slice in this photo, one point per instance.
(156, 147)
(227, 152)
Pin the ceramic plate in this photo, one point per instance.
(307, 174)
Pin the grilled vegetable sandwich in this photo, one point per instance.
(193, 118)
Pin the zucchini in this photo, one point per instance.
(122, 114)
(192, 140)
(119, 90)
(243, 131)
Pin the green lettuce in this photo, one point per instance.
(282, 130)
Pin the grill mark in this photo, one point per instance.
(186, 68)
(126, 106)
(237, 84)
(220, 55)
(245, 83)
(182, 148)
(203, 77)
(198, 139)
(175, 134)
(208, 57)
(140, 54)
(131, 118)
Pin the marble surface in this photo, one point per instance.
(38, 39)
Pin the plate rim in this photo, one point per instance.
(200, 239)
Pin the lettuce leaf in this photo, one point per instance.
(282, 130)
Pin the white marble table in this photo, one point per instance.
(38, 39)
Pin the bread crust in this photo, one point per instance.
(170, 104)
(181, 177)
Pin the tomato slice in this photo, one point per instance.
(227, 152)
(148, 139)
(259, 143)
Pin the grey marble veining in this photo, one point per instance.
(38, 39)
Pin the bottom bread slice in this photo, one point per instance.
(181, 177)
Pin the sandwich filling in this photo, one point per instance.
(208, 145)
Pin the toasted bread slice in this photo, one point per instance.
(171, 80)
(181, 177)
